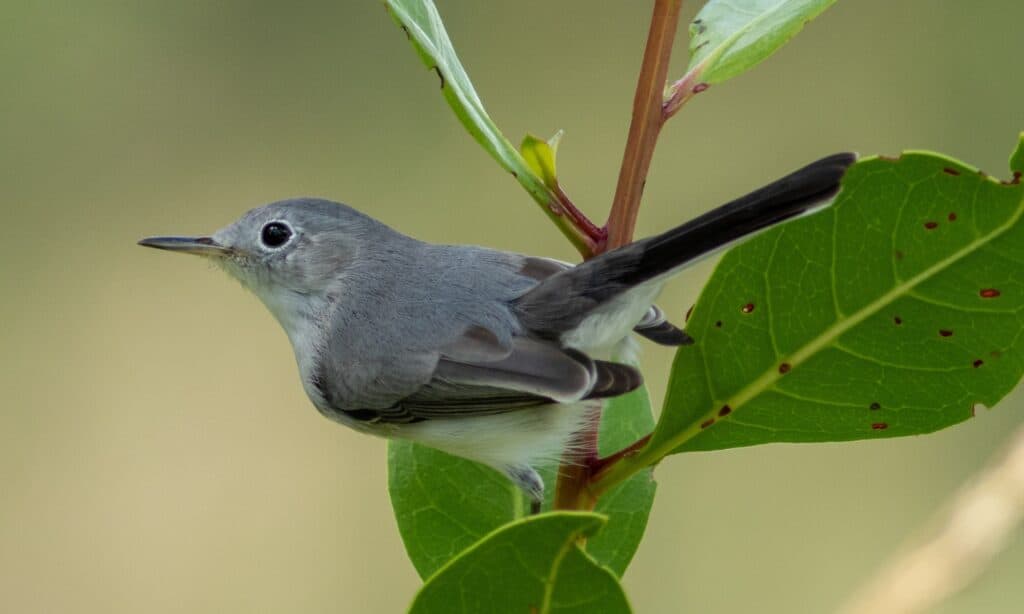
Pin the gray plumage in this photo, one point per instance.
(490, 355)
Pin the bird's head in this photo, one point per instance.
(288, 253)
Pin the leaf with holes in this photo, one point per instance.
(729, 37)
(443, 503)
(532, 565)
(422, 24)
(894, 312)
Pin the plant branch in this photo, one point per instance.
(646, 124)
(963, 540)
(572, 491)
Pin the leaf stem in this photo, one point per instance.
(598, 468)
(683, 90)
(572, 490)
(620, 466)
(646, 124)
(586, 236)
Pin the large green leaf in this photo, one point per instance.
(422, 24)
(532, 565)
(443, 503)
(729, 37)
(895, 312)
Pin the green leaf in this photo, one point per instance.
(1017, 161)
(532, 565)
(540, 156)
(730, 36)
(443, 503)
(628, 505)
(626, 418)
(892, 313)
(422, 24)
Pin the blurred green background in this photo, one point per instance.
(157, 453)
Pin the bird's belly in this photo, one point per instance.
(536, 435)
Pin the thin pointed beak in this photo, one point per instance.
(201, 246)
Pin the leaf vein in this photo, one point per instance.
(892, 365)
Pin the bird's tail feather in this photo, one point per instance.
(560, 302)
(799, 193)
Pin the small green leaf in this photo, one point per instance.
(584, 587)
(444, 503)
(730, 36)
(540, 156)
(895, 312)
(532, 565)
(628, 505)
(1017, 159)
(422, 24)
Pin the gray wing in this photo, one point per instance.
(478, 375)
(429, 331)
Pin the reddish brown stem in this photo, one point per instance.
(631, 449)
(571, 491)
(683, 90)
(645, 126)
(595, 234)
(590, 470)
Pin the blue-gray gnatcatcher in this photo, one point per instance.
(497, 357)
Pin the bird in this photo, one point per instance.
(498, 357)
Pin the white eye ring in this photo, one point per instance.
(276, 234)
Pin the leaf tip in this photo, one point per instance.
(1017, 159)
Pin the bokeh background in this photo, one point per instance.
(157, 453)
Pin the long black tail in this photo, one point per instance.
(561, 301)
(794, 195)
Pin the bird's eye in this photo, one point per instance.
(275, 234)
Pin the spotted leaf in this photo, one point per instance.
(898, 311)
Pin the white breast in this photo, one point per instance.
(526, 437)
